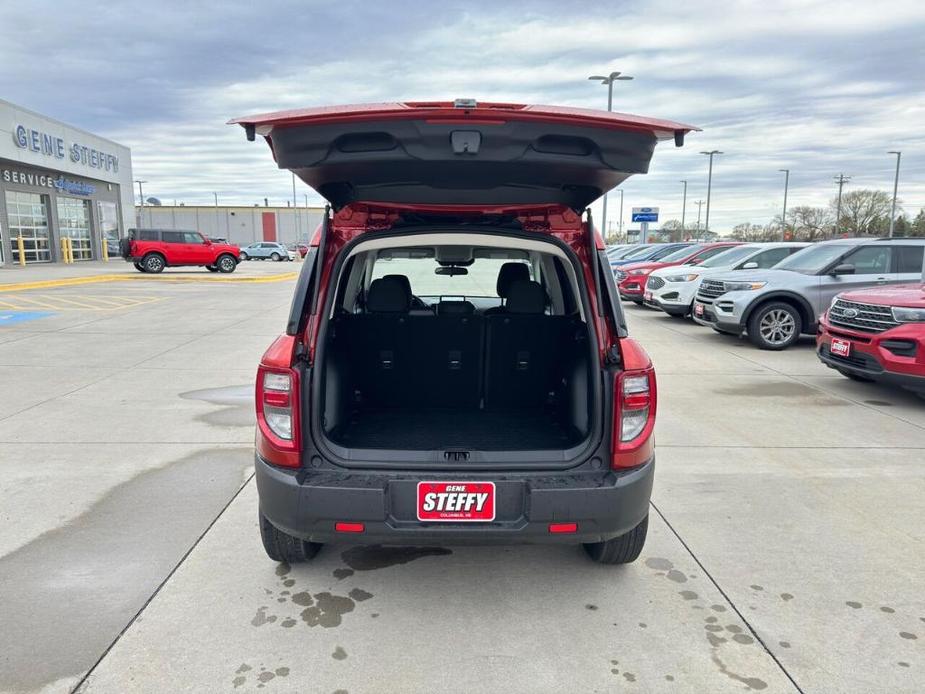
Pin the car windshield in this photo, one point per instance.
(683, 253)
(814, 259)
(730, 257)
(636, 251)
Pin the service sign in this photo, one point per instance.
(645, 214)
(458, 502)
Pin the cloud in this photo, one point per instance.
(819, 87)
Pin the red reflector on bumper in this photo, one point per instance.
(342, 527)
(563, 527)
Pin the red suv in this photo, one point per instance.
(151, 250)
(456, 366)
(877, 334)
(632, 278)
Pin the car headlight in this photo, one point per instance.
(909, 315)
(682, 278)
(638, 272)
(742, 286)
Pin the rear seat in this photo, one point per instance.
(524, 346)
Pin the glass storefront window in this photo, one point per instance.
(28, 218)
(74, 223)
(109, 225)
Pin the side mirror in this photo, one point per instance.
(843, 269)
(207, 241)
(751, 265)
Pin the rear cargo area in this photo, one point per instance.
(442, 379)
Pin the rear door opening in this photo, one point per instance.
(453, 346)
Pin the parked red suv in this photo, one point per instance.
(456, 366)
(877, 334)
(151, 250)
(632, 278)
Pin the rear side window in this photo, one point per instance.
(173, 237)
(870, 260)
(908, 259)
(192, 237)
(710, 252)
(147, 235)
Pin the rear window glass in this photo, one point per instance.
(682, 253)
(814, 259)
(147, 235)
(908, 258)
(480, 280)
(173, 237)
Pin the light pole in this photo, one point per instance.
(215, 195)
(709, 186)
(609, 80)
(841, 180)
(895, 189)
(141, 196)
(783, 219)
(683, 207)
(620, 225)
(699, 204)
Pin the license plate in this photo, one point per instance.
(698, 309)
(840, 348)
(456, 502)
(648, 296)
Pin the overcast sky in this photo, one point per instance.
(817, 87)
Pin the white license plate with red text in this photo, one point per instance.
(648, 296)
(840, 348)
(457, 502)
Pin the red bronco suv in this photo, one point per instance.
(877, 334)
(456, 365)
(151, 250)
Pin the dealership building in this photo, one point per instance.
(59, 182)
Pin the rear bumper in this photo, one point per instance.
(306, 504)
(874, 356)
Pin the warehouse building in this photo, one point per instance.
(59, 182)
(239, 225)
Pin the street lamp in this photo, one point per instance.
(620, 225)
(895, 188)
(609, 80)
(709, 186)
(141, 193)
(783, 219)
(699, 204)
(683, 206)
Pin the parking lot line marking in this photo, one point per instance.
(29, 300)
(73, 302)
(94, 279)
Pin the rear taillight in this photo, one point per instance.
(277, 399)
(634, 409)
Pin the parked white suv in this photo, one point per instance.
(672, 289)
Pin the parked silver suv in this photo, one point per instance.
(775, 306)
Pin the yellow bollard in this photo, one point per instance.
(105, 251)
(21, 246)
(70, 250)
(63, 250)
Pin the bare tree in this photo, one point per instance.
(864, 212)
(810, 223)
(671, 229)
(754, 232)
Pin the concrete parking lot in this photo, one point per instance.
(784, 554)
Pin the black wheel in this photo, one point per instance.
(619, 550)
(226, 263)
(139, 267)
(153, 263)
(855, 377)
(774, 326)
(244, 256)
(211, 268)
(275, 257)
(283, 547)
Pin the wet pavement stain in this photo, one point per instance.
(237, 405)
(888, 610)
(359, 594)
(629, 676)
(718, 608)
(303, 599)
(750, 682)
(785, 644)
(676, 576)
(854, 605)
(756, 587)
(590, 607)
(688, 595)
(339, 654)
(262, 618)
(372, 557)
(908, 635)
(282, 570)
(659, 564)
(90, 551)
(342, 573)
(328, 610)
(783, 389)
(786, 597)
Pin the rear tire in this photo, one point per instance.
(154, 263)
(139, 267)
(775, 326)
(620, 550)
(275, 257)
(226, 263)
(283, 547)
(244, 256)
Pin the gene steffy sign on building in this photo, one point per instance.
(54, 146)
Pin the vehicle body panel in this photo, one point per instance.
(632, 277)
(179, 248)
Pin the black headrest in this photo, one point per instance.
(455, 308)
(508, 274)
(387, 295)
(405, 282)
(526, 296)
